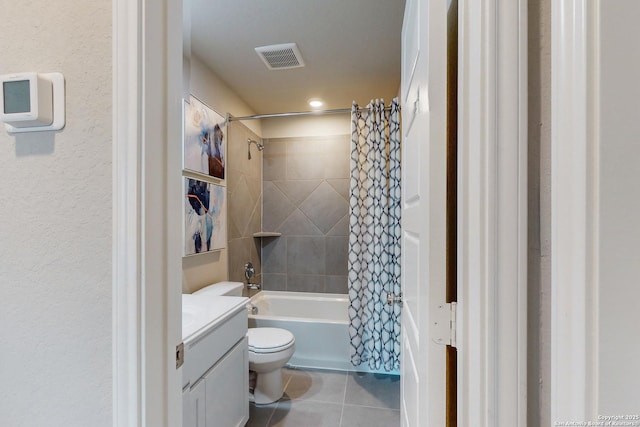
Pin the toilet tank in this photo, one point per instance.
(222, 288)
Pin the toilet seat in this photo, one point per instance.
(269, 340)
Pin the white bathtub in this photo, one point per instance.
(319, 322)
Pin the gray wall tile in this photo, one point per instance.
(341, 186)
(305, 283)
(336, 284)
(305, 166)
(297, 191)
(274, 160)
(239, 253)
(325, 207)
(337, 159)
(232, 228)
(254, 255)
(274, 254)
(244, 189)
(277, 207)
(297, 224)
(305, 255)
(255, 186)
(255, 223)
(274, 282)
(341, 228)
(305, 192)
(241, 205)
(336, 255)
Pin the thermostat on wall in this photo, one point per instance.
(31, 102)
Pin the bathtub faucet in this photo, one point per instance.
(254, 286)
(249, 272)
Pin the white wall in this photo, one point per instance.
(210, 89)
(56, 227)
(619, 209)
(306, 126)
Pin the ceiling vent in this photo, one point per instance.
(281, 56)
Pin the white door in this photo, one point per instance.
(424, 104)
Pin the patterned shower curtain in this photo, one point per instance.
(374, 235)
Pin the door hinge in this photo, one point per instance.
(179, 355)
(443, 324)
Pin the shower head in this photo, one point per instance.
(259, 145)
(249, 142)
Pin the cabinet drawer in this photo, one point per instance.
(202, 353)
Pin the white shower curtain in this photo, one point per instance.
(374, 236)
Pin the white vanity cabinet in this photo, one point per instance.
(193, 406)
(224, 392)
(216, 368)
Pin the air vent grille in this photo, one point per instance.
(281, 56)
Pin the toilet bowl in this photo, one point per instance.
(269, 350)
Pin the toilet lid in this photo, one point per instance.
(269, 340)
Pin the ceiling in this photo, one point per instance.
(351, 49)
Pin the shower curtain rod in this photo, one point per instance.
(231, 118)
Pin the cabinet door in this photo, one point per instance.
(227, 389)
(193, 410)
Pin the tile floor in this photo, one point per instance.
(320, 398)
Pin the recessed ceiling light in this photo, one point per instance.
(316, 103)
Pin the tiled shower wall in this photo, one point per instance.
(306, 191)
(244, 192)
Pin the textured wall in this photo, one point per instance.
(56, 228)
(244, 192)
(306, 188)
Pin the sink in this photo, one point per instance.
(200, 312)
(191, 316)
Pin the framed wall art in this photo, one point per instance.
(205, 217)
(204, 140)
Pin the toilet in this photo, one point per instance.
(269, 350)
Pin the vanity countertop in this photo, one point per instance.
(201, 313)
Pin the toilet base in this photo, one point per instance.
(268, 387)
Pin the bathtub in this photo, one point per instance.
(319, 322)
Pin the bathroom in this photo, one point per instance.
(287, 179)
(91, 277)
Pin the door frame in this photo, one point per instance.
(491, 327)
(574, 214)
(492, 213)
(147, 269)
